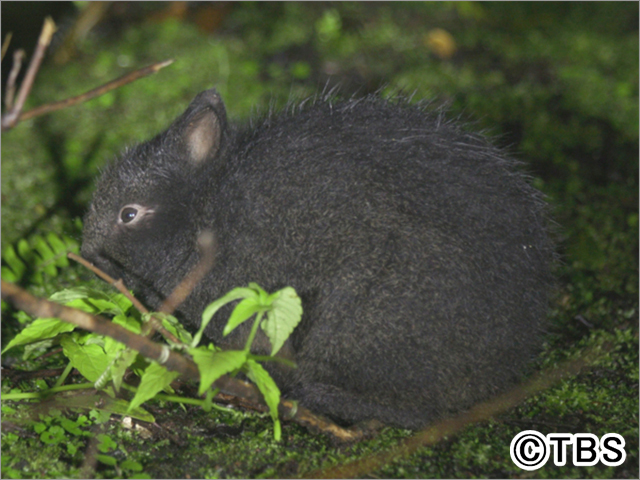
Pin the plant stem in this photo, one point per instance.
(34, 395)
(64, 375)
(254, 331)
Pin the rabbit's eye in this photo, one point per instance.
(128, 214)
(133, 213)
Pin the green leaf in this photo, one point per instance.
(208, 313)
(53, 435)
(69, 294)
(243, 311)
(70, 426)
(269, 390)
(25, 251)
(8, 276)
(101, 415)
(39, 254)
(39, 427)
(131, 465)
(106, 443)
(16, 265)
(92, 300)
(155, 379)
(90, 360)
(60, 249)
(283, 317)
(173, 326)
(7, 410)
(130, 323)
(48, 257)
(30, 258)
(122, 357)
(122, 303)
(112, 347)
(212, 365)
(35, 349)
(40, 329)
(262, 294)
(94, 306)
(107, 460)
(119, 367)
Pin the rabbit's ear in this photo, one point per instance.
(201, 127)
(202, 136)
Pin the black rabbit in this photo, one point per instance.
(421, 253)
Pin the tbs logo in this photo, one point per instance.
(530, 450)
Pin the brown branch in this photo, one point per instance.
(481, 412)
(11, 118)
(6, 43)
(118, 284)
(96, 92)
(206, 242)
(153, 324)
(18, 56)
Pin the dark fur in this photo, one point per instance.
(420, 253)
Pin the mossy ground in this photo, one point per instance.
(557, 84)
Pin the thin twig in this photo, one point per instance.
(6, 43)
(18, 56)
(96, 92)
(88, 468)
(180, 293)
(206, 242)
(11, 118)
(118, 284)
(153, 324)
(481, 412)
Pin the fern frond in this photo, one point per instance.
(37, 256)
